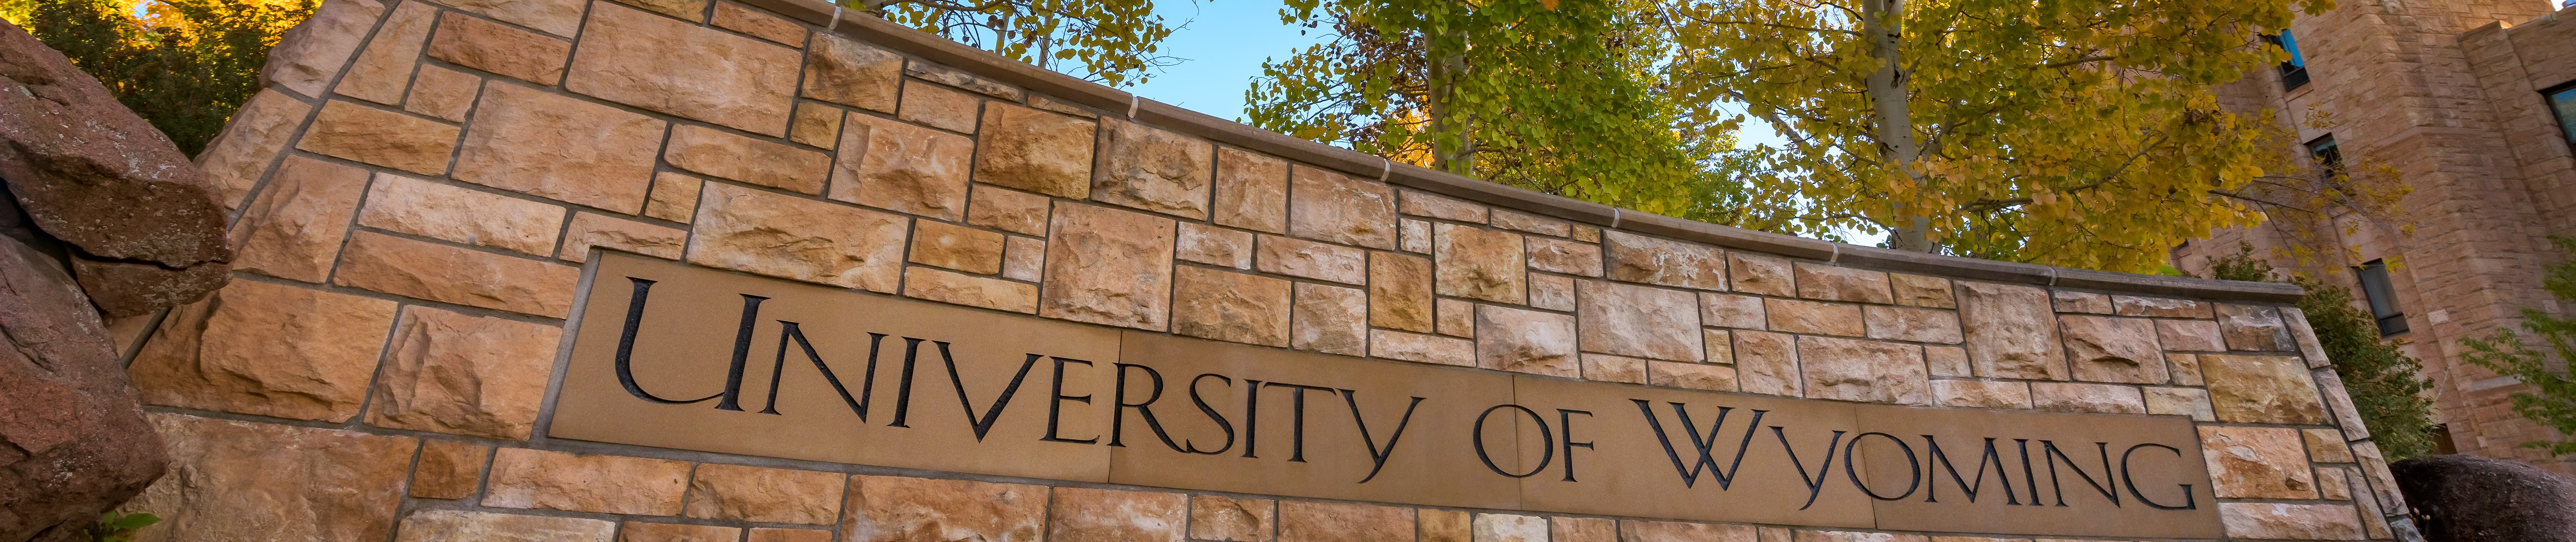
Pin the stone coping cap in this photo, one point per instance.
(941, 50)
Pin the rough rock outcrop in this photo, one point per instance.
(2463, 498)
(72, 442)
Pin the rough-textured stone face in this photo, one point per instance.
(719, 154)
(1229, 306)
(1638, 321)
(1637, 258)
(1766, 363)
(2249, 327)
(2257, 463)
(1154, 170)
(853, 74)
(491, 47)
(1024, 259)
(1766, 275)
(232, 480)
(674, 197)
(956, 247)
(652, 531)
(1251, 191)
(2186, 368)
(2081, 302)
(1101, 515)
(1672, 531)
(1301, 521)
(1551, 292)
(1948, 361)
(1559, 256)
(439, 211)
(2103, 349)
(1455, 318)
(1226, 519)
(1009, 210)
(765, 534)
(1034, 150)
(294, 230)
(1609, 368)
(815, 124)
(1691, 376)
(2326, 446)
(560, 148)
(1866, 371)
(1414, 236)
(1922, 291)
(1309, 259)
(2193, 402)
(437, 272)
(898, 509)
(308, 56)
(2262, 389)
(760, 25)
(1981, 394)
(1436, 525)
(764, 495)
(1510, 528)
(1817, 281)
(1814, 317)
(645, 60)
(1331, 207)
(1478, 263)
(972, 83)
(259, 131)
(1565, 529)
(1215, 246)
(2102, 398)
(380, 72)
(1907, 324)
(2159, 307)
(1526, 223)
(793, 238)
(973, 291)
(458, 525)
(1735, 311)
(77, 442)
(375, 136)
(443, 93)
(1400, 292)
(1998, 319)
(1423, 204)
(1109, 267)
(940, 108)
(1509, 339)
(448, 469)
(259, 348)
(1330, 319)
(524, 478)
(558, 17)
(471, 375)
(590, 229)
(2190, 335)
(2290, 521)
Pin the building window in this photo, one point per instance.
(2383, 298)
(2329, 159)
(2562, 102)
(2294, 72)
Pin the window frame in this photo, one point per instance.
(2383, 295)
(2327, 154)
(2293, 72)
(2566, 120)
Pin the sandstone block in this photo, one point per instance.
(1832, 283)
(440, 211)
(2102, 398)
(443, 93)
(1526, 223)
(1414, 236)
(1998, 320)
(1865, 371)
(1672, 531)
(260, 348)
(2249, 327)
(906, 168)
(1551, 292)
(899, 509)
(590, 229)
(1637, 258)
(737, 18)
(1309, 259)
(854, 74)
(795, 238)
(1153, 170)
(1226, 519)
(1587, 234)
(1252, 191)
(2336, 484)
(1638, 321)
(1609, 368)
(1024, 259)
(674, 197)
(1101, 515)
(1330, 319)
(1910, 324)
(470, 375)
(1456, 318)
(1035, 150)
(1766, 275)
(956, 247)
(815, 124)
(1437, 525)
(504, 51)
(461, 526)
(2193, 402)
(525, 478)
(1981, 394)
(2190, 335)
(765, 495)
(1478, 263)
(1796, 316)
(939, 107)
(2290, 521)
(383, 71)
(560, 148)
(1720, 344)
(2081, 302)
(294, 230)
(1510, 528)
(959, 78)
(716, 153)
(2262, 389)
(1804, 535)
(1425, 204)
(2159, 307)
(233, 480)
(1691, 376)
(636, 58)
(2104, 349)
(1215, 246)
(1302, 521)
(2326, 446)
(2305, 337)
(1735, 311)
(380, 137)
(642, 531)
(1566, 257)
(1422, 348)
(1009, 210)
(1766, 363)
(1509, 339)
(766, 534)
(307, 56)
(1399, 291)
(1565, 529)
(1331, 207)
(1109, 267)
(2186, 368)
(558, 17)
(448, 469)
(1948, 361)
(237, 159)
(1922, 291)
(969, 290)
(437, 272)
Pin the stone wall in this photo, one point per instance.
(415, 196)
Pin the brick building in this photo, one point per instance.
(2456, 96)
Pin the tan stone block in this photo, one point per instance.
(2189, 335)
(2104, 349)
(631, 57)
(1009, 210)
(2081, 302)
(1551, 292)
(1587, 234)
(1525, 341)
(1510, 528)
(560, 148)
(1526, 223)
(305, 59)
(1400, 292)
(1226, 519)
(2335, 484)
(235, 480)
(440, 211)
(1672, 531)
(905, 168)
(716, 153)
(1720, 344)
(642, 531)
(1415, 236)
(899, 509)
(2253, 328)
(2374, 466)
(375, 136)
(694, 11)
(796, 238)
(1109, 267)
(1034, 150)
(674, 197)
(1758, 274)
(1910, 324)
(1735, 311)
(437, 272)
(1309, 259)
(1805, 535)
(448, 469)
(1766, 363)
(766, 495)
(1228, 306)
(1252, 191)
(816, 124)
(1609, 368)
(961, 79)
(1334, 208)
(1922, 291)
(2326, 446)
(939, 107)
(459, 525)
(558, 17)
(1024, 259)
(1638, 321)
(1565, 529)
(846, 72)
(590, 229)
(2159, 307)
(1568, 257)
(525, 478)
(1948, 361)
(1998, 320)
(1425, 204)
(239, 157)
(1101, 515)
(1153, 170)
(2257, 463)
(294, 230)
(501, 50)
(1637, 258)
(1215, 246)
(1455, 318)
(2305, 337)
(1421, 348)
(1865, 371)
(443, 93)
(467, 375)
(2103, 398)
(2186, 368)
(768, 534)
(1330, 319)
(1832, 283)
(2193, 402)
(1774, 534)
(1796, 316)
(2262, 389)
(969, 290)
(956, 247)
(1302, 521)
(1981, 394)
(1482, 264)
(735, 17)
(1690, 375)
(1437, 525)
(383, 71)
(260, 348)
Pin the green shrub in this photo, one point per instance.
(2386, 385)
(184, 66)
(2506, 353)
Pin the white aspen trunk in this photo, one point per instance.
(1882, 24)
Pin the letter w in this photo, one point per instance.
(1702, 443)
